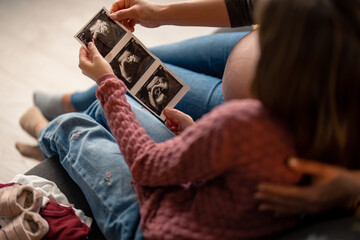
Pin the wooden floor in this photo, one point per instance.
(38, 52)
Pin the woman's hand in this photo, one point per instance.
(92, 63)
(177, 121)
(331, 187)
(132, 12)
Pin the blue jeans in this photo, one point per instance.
(89, 153)
(199, 62)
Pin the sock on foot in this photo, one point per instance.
(50, 105)
(32, 121)
(29, 151)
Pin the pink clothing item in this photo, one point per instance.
(200, 184)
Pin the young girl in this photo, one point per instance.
(200, 184)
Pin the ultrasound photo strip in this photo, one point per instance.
(147, 79)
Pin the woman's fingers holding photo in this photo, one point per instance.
(132, 12)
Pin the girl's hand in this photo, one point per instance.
(332, 186)
(132, 12)
(177, 121)
(92, 63)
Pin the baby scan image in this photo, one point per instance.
(159, 90)
(131, 63)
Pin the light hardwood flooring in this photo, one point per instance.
(38, 52)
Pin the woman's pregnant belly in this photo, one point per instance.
(240, 67)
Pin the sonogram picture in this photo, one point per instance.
(147, 79)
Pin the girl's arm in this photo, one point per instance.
(201, 152)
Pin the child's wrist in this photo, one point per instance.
(104, 77)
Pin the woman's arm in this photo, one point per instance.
(195, 13)
(214, 13)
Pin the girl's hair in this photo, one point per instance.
(308, 75)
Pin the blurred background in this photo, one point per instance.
(38, 52)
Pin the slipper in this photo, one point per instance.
(27, 226)
(18, 198)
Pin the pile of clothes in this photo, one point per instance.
(32, 207)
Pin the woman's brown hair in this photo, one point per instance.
(308, 75)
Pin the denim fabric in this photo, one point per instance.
(199, 62)
(206, 54)
(82, 100)
(89, 153)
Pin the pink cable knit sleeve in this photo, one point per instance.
(199, 153)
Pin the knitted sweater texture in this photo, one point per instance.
(200, 184)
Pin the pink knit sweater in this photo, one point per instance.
(200, 184)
